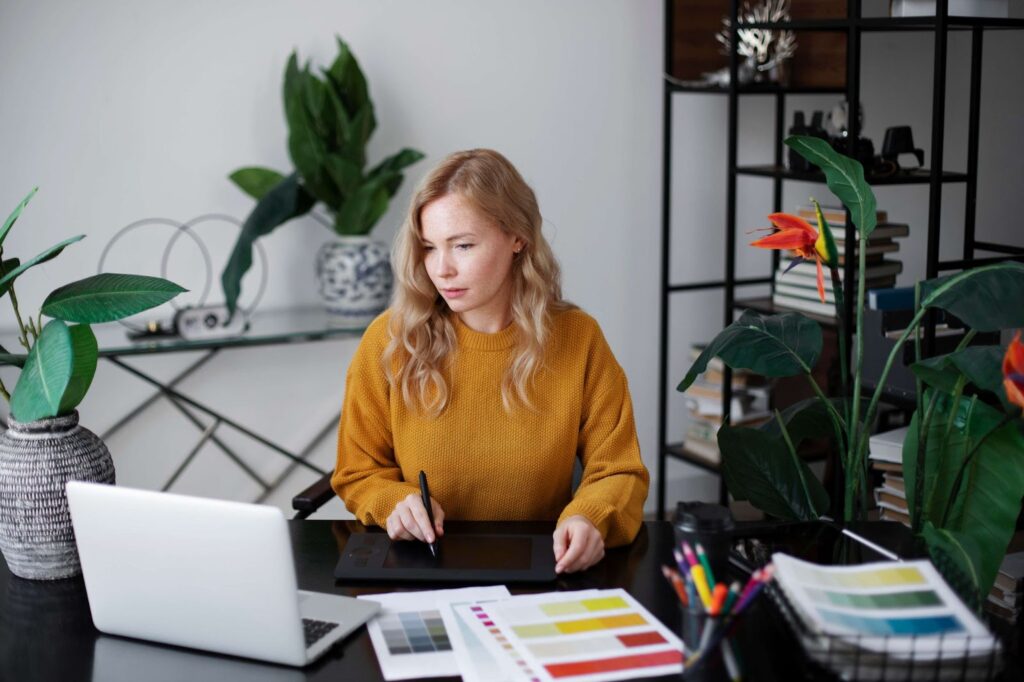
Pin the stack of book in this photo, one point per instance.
(885, 451)
(1007, 595)
(704, 399)
(798, 288)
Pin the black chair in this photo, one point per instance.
(320, 493)
(313, 497)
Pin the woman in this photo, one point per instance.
(483, 377)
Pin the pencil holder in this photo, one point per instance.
(702, 664)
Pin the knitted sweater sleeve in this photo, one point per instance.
(615, 481)
(366, 476)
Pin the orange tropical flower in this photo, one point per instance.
(793, 232)
(1013, 372)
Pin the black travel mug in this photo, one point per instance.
(712, 526)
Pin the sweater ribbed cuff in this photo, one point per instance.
(598, 514)
(378, 511)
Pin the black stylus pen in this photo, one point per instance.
(425, 492)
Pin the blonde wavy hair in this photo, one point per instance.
(421, 327)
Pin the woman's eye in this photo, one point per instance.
(428, 248)
(465, 247)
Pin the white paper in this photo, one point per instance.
(399, 628)
(509, 629)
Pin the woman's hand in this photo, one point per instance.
(409, 520)
(578, 544)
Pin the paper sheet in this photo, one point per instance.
(896, 607)
(587, 636)
(409, 636)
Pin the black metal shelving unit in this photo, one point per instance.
(853, 25)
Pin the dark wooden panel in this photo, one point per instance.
(820, 59)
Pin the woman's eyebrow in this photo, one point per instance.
(454, 237)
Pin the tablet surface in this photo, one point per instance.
(476, 558)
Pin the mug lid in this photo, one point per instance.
(701, 516)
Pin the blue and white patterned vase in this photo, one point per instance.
(355, 279)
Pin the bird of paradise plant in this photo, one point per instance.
(963, 458)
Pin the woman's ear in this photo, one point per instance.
(517, 245)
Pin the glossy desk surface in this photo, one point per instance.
(46, 632)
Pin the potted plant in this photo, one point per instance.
(330, 121)
(44, 446)
(963, 459)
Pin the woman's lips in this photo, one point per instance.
(453, 293)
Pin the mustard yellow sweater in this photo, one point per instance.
(484, 463)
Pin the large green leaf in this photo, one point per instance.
(307, 145)
(7, 358)
(392, 167)
(348, 81)
(48, 254)
(760, 468)
(362, 210)
(980, 364)
(845, 177)
(256, 181)
(5, 267)
(107, 297)
(807, 419)
(46, 374)
(285, 201)
(954, 555)
(986, 299)
(773, 346)
(989, 501)
(11, 219)
(84, 355)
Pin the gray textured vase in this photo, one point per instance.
(355, 279)
(36, 460)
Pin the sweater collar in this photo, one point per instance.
(470, 338)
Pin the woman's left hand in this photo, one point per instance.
(578, 544)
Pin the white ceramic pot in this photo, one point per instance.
(355, 279)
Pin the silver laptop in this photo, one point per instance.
(201, 573)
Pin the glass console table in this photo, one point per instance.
(272, 327)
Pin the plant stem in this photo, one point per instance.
(858, 358)
(958, 482)
(821, 395)
(796, 460)
(844, 361)
(916, 520)
(869, 414)
(17, 314)
(3, 391)
(961, 381)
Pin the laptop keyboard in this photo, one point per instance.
(315, 629)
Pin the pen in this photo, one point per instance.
(425, 492)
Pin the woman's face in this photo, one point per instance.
(469, 260)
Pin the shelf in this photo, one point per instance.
(679, 452)
(914, 177)
(765, 305)
(927, 23)
(701, 88)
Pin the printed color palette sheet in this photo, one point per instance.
(576, 636)
(886, 606)
(409, 636)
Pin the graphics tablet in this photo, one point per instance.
(475, 558)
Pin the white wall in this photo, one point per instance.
(896, 83)
(122, 111)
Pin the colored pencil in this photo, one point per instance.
(703, 558)
(677, 584)
(718, 596)
(697, 573)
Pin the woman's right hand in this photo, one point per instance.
(409, 520)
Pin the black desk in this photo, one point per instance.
(46, 632)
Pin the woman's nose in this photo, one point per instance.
(444, 267)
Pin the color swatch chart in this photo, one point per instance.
(407, 632)
(409, 635)
(885, 606)
(587, 636)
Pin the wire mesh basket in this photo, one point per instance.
(893, 657)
